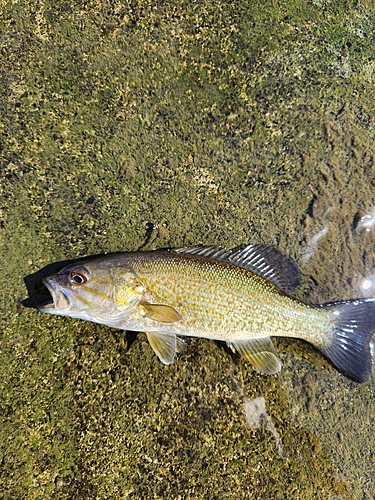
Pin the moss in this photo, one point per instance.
(210, 120)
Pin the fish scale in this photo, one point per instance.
(236, 304)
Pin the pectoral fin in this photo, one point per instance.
(161, 312)
(261, 353)
(165, 345)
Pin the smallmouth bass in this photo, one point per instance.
(242, 296)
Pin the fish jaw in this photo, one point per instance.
(60, 303)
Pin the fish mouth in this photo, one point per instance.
(58, 300)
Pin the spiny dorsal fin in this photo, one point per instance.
(263, 260)
(261, 353)
(212, 251)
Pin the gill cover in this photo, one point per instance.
(127, 289)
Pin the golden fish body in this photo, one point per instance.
(221, 301)
(239, 296)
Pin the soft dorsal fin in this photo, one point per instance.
(263, 260)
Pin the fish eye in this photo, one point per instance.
(79, 277)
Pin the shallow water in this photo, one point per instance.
(221, 124)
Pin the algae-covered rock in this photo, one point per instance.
(221, 123)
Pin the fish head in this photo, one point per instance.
(95, 291)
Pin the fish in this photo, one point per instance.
(243, 296)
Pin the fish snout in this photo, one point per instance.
(58, 301)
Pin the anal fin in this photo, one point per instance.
(261, 353)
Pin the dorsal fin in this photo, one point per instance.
(212, 251)
(263, 260)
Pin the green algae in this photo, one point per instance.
(208, 119)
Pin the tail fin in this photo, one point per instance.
(351, 349)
